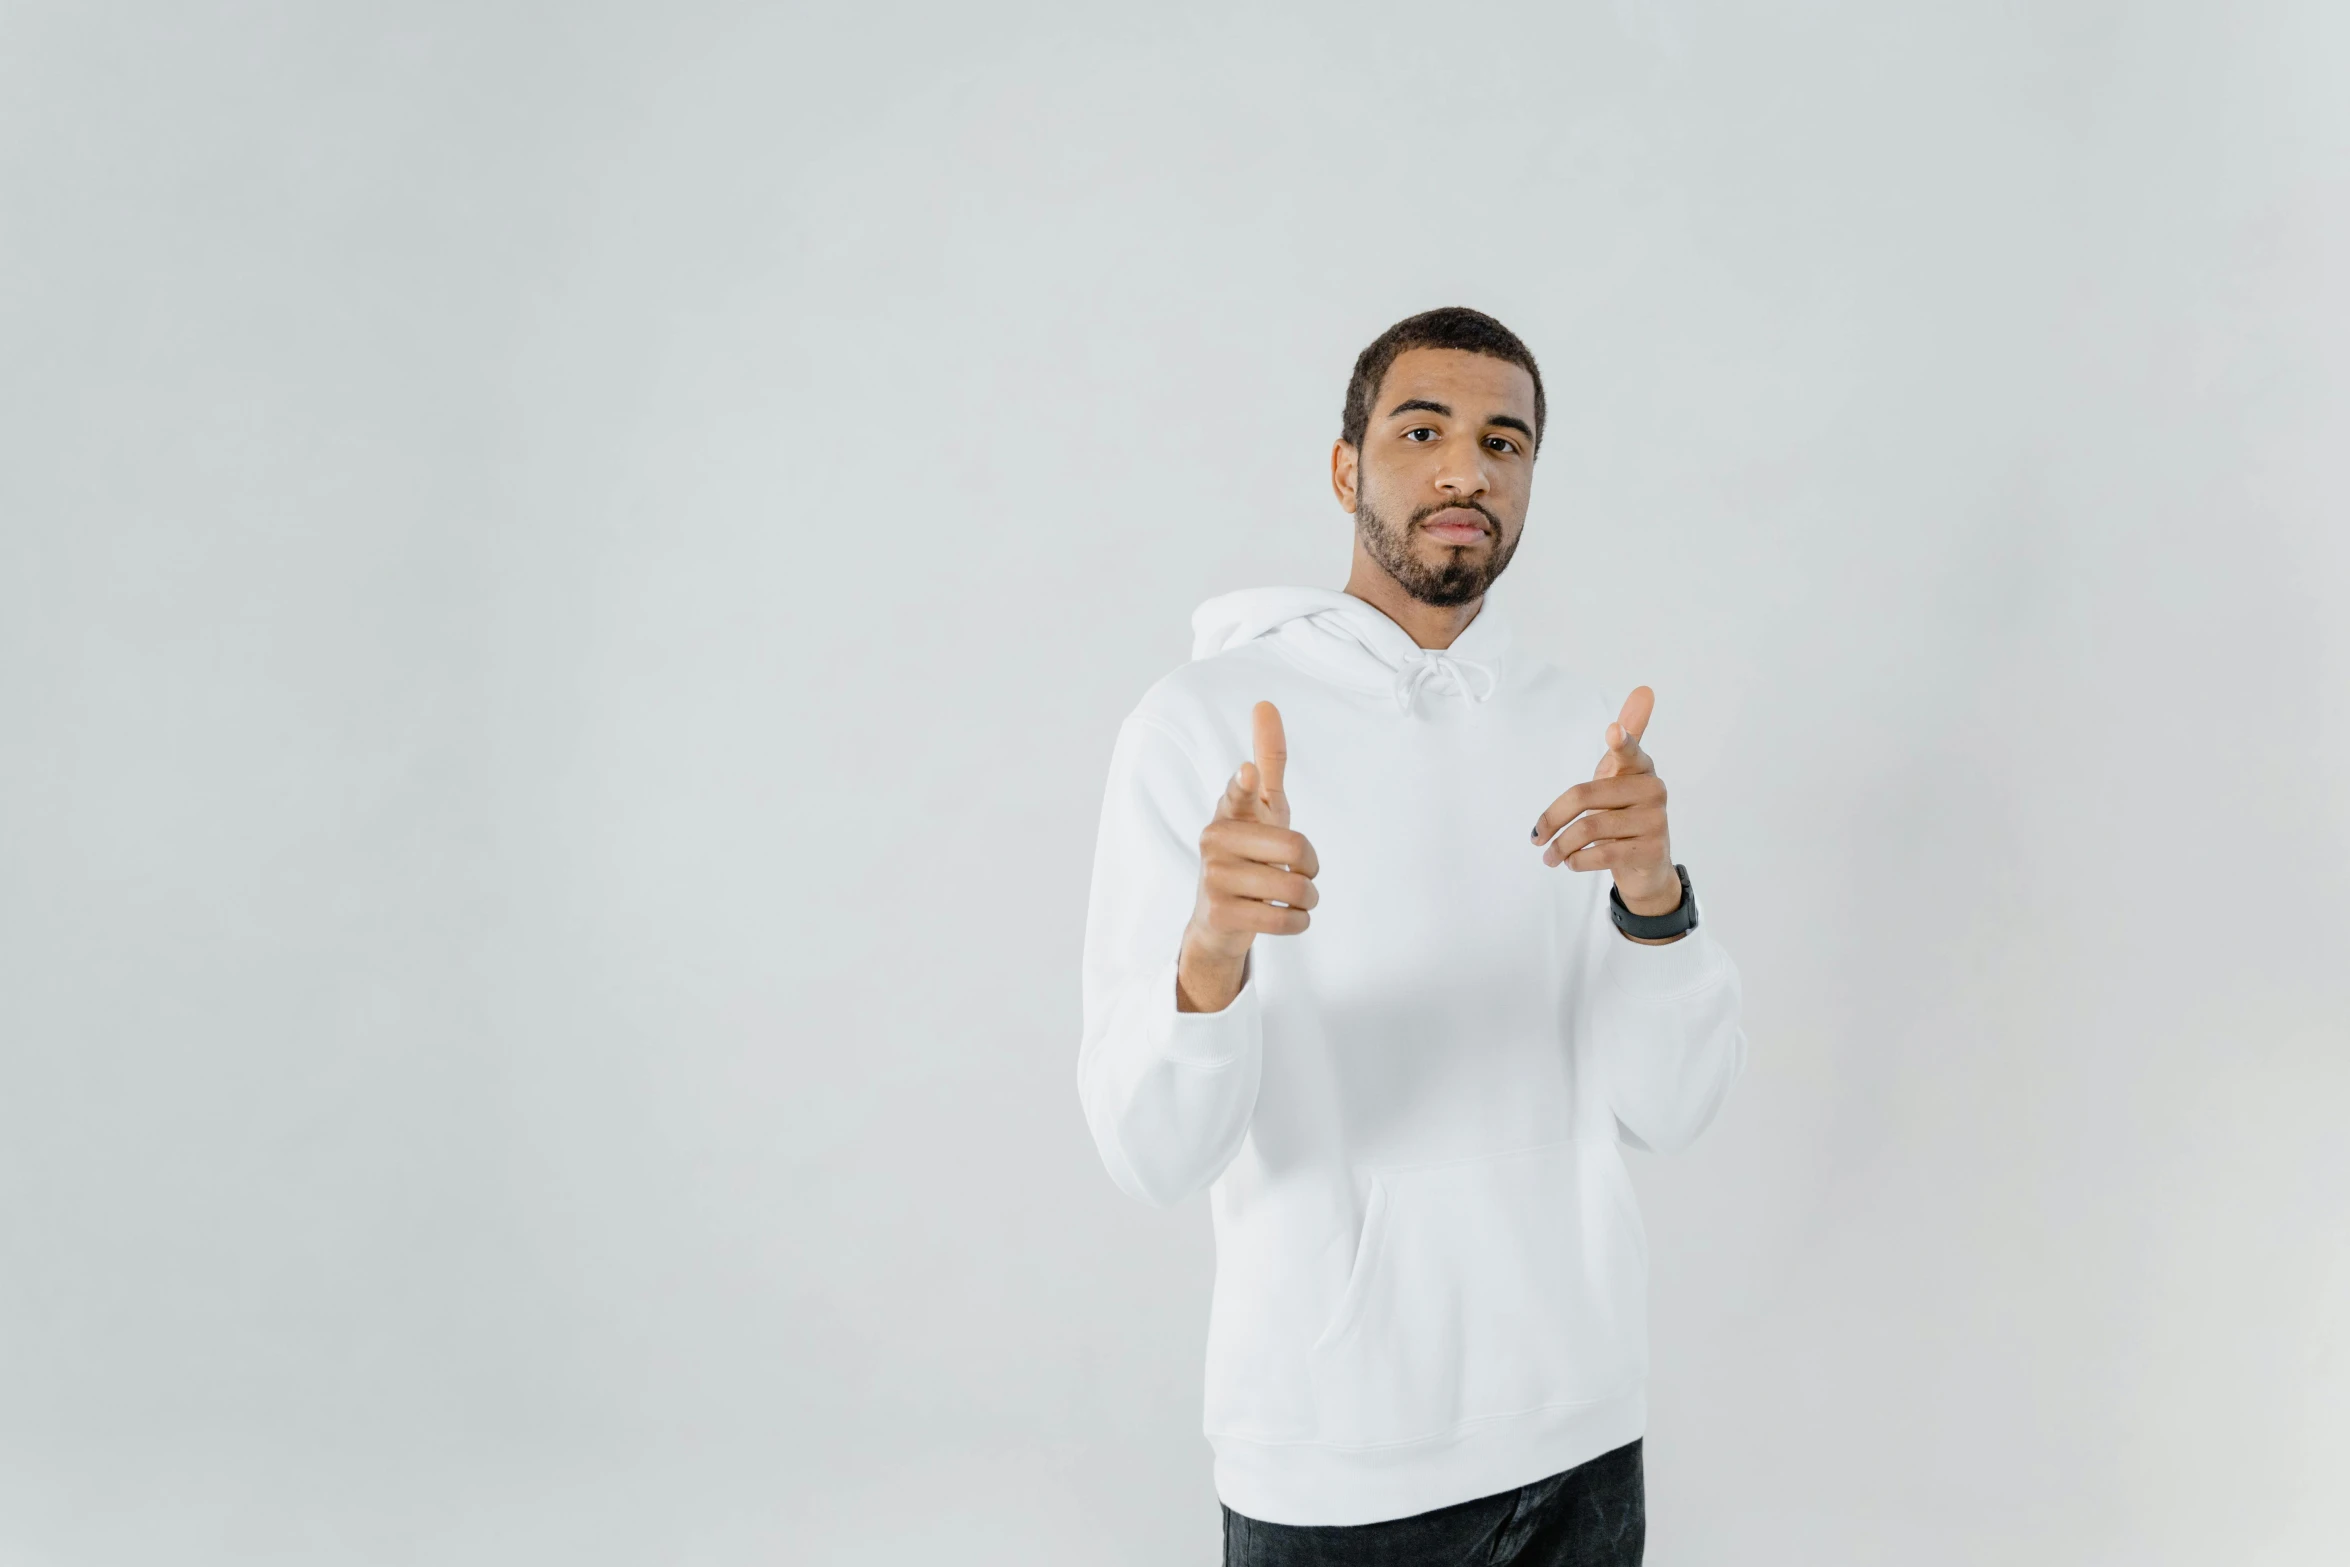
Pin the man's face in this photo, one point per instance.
(1439, 487)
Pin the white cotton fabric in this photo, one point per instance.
(1430, 1267)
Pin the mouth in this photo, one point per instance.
(1456, 525)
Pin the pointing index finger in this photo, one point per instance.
(1632, 722)
(1272, 747)
(1623, 736)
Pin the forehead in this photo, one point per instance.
(1473, 386)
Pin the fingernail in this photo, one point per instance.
(1534, 834)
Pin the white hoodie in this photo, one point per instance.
(1431, 1276)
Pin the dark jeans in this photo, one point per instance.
(1593, 1515)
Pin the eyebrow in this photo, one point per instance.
(1422, 405)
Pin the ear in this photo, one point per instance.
(1344, 465)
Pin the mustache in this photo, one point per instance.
(1479, 507)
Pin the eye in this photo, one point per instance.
(1501, 443)
(1418, 430)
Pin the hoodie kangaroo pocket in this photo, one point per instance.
(1485, 1287)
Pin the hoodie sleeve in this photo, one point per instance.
(1167, 1094)
(1666, 1023)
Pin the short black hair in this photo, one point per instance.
(1453, 326)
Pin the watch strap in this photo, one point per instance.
(1655, 927)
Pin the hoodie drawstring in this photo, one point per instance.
(1426, 665)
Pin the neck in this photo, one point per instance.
(1430, 625)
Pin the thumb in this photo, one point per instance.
(1272, 750)
(1239, 801)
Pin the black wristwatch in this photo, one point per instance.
(1652, 927)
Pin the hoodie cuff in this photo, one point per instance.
(1208, 1039)
(1678, 968)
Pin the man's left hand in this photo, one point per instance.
(1618, 818)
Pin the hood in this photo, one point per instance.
(1341, 636)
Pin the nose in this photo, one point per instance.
(1462, 476)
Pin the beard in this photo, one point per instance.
(1461, 579)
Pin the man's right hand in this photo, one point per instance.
(1250, 865)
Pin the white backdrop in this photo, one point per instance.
(567, 574)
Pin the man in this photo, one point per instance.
(1327, 981)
